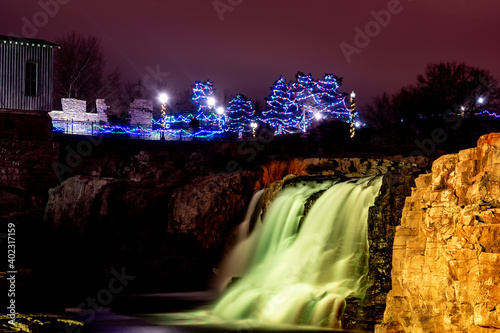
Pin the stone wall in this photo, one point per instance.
(26, 155)
(446, 256)
(141, 113)
(75, 110)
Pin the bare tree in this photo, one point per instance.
(79, 71)
(452, 86)
(381, 113)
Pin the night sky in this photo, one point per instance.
(245, 45)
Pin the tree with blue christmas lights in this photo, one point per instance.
(240, 114)
(294, 106)
(330, 102)
(203, 98)
(303, 94)
(278, 113)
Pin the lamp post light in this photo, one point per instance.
(480, 103)
(163, 100)
(220, 112)
(211, 104)
(353, 115)
(253, 125)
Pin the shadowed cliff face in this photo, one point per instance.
(446, 260)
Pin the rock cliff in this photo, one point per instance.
(446, 255)
(172, 231)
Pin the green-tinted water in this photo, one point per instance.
(293, 275)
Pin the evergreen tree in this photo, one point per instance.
(303, 94)
(294, 106)
(240, 114)
(277, 113)
(202, 92)
(330, 103)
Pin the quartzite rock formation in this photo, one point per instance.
(446, 258)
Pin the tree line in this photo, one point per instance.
(444, 89)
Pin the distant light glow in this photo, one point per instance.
(253, 125)
(220, 110)
(357, 124)
(317, 116)
(353, 95)
(211, 101)
(480, 100)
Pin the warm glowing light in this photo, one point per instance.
(220, 110)
(253, 125)
(353, 95)
(357, 124)
(317, 116)
(163, 98)
(211, 101)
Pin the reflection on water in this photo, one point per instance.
(177, 312)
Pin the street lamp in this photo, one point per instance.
(220, 112)
(253, 125)
(163, 100)
(211, 104)
(353, 114)
(211, 101)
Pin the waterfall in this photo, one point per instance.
(298, 269)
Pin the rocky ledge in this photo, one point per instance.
(446, 257)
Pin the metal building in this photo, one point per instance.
(26, 73)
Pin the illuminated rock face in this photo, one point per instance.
(446, 258)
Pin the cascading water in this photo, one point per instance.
(299, 270)
(294, 269)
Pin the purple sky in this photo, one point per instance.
(245, 45)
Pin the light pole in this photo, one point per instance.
(163, 100)
(211, 102)
(480, 102)
(220, 112)
(253, 125)
(353, 114)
